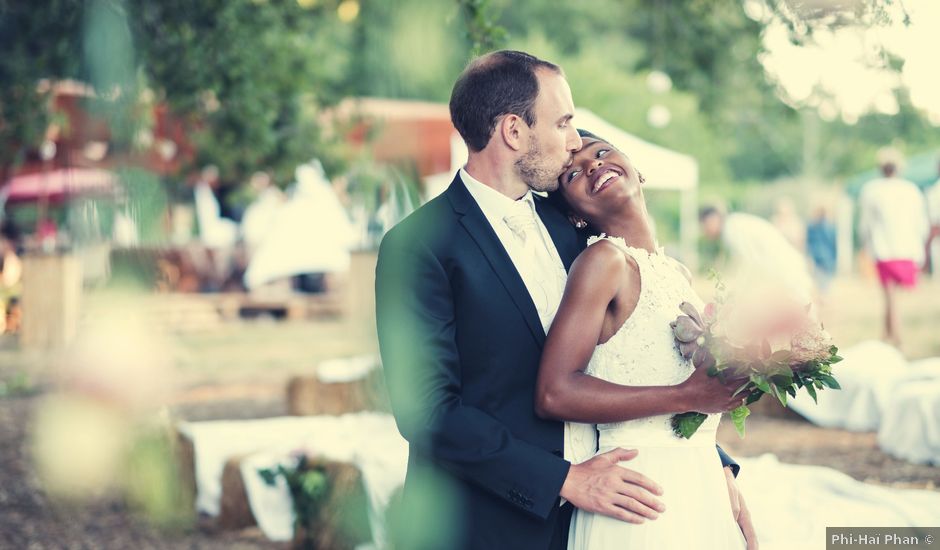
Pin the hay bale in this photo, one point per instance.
(342, 520)
(309, 396)
(234, 509)
(186, 460)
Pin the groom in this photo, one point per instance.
(464, 300)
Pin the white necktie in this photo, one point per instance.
(542, 272)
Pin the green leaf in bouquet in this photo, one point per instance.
(713, 370)
(739, 416)
(834, 359)
(812, 392)
(781, 396)
(761, 383)
(783, 380)
(791, 390)
(754, 397)
(781, 356)
(829, 381)
(686, 424)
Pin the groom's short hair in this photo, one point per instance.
(493, 85)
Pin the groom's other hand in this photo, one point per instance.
(741, 514)
(601, 486)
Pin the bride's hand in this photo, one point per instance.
(708, 394)
(741, 514)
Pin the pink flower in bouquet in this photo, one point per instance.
(761, 335)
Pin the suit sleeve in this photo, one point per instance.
(417, 338)
(728, 462)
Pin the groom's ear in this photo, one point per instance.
(511, 128)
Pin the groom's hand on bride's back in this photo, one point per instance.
(599, 485)
(708, 394)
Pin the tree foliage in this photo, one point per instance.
(246, 76)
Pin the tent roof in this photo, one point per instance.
(663, 168)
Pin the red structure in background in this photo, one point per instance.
(399, 131)
(84, 139)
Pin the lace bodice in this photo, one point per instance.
(643, 351)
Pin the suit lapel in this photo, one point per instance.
(476, 224)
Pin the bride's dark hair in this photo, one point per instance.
(559, 202)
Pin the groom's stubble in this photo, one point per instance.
(534, 170)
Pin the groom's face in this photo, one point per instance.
(553, 139)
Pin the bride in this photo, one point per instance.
(613, 324)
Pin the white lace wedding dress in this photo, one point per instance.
(643, 353)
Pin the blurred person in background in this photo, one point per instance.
(821, 248)
(894, 226)
(933, 242)
(11, 271)
(755, 248)
(789, 223)
(260, 214)
(218, 234)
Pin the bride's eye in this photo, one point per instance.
(601, 153)
(573, 174)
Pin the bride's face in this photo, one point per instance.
(599, 181)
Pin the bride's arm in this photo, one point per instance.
(565, 392)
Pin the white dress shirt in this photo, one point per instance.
(544, 275)
(893, 217)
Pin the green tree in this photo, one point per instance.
(248, 77)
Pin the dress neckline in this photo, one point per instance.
(622, 243)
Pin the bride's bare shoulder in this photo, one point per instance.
(602, 265)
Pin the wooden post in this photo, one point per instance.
(52, 288)
(360, 293)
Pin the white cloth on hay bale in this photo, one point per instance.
(781, 497)
(349, 369)
(368, 440)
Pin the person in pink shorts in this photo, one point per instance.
(894, 223)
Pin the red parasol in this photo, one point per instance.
(58, 185)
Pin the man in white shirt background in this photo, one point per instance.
(933, 207)
(893, 224)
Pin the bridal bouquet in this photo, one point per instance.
(764, 337)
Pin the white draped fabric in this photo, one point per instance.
(780, 496)
(791, 505)
(883, 392)
(311, 233)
